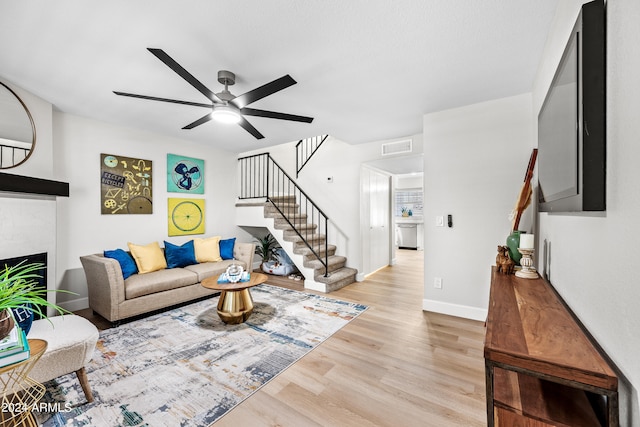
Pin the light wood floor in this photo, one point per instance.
(394, 365)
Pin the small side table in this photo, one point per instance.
(19, 392)
(235, 304)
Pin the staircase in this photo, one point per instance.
(271, 199)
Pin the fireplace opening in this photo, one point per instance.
(41, 282)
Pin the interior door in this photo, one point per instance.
(377, 207)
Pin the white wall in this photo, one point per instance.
(594, 259)
(475, 158)
(409, 181)
(340, 199)
(83, 230)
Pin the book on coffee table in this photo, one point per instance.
(223, 278)
(11, 340)
(17, 353)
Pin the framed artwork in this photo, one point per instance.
(125, 185)
(185, 216)
(185, 174)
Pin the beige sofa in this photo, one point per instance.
(115, 298)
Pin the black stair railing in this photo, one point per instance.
(262, 177)
(13, 153)
(305, 148)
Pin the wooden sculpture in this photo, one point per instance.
(504, 263)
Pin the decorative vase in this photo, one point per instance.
(6, 323)
(513, 243)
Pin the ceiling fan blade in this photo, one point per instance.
(171, 63)
(201, 120)
(263, 91)
(249, 128)
(275, 115)
(155, 98)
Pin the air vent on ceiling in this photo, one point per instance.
(397, 147)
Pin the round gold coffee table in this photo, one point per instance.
(235, 304)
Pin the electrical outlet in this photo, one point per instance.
(437, 282)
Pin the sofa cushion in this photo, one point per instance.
(210, 269)
(144, 284)
(179, 256)
(148, 257)
(207, 250)
(127, 263)
(226, 248)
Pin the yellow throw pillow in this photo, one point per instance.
(207, 250)
(148, 257)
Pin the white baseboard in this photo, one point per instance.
(473, 313)
(75, 305)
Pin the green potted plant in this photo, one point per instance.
(266, 248)
(18, 290)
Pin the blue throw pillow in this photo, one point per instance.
(127, 264)
(179, 256)
(24, 317)
(226, 248)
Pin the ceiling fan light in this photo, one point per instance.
(225, 114)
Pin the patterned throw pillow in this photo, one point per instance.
(24, 318)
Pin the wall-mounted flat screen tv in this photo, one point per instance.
(572, 122)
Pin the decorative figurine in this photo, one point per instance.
(504, 263)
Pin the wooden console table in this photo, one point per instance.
(542, 367)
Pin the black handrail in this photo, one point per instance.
(262, 177)
(305, 149)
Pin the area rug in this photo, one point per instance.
(184, 367)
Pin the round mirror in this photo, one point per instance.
(17, 131)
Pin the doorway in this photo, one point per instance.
(406, 174)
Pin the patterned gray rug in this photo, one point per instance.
(185, 367)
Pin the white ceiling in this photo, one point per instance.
(367, 70)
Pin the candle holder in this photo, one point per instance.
(528, 271)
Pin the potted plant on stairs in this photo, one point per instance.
(19, 291)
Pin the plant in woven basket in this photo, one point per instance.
(18, 289)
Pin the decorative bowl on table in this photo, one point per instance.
(234, 273)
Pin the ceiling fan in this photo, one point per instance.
(225, 106)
